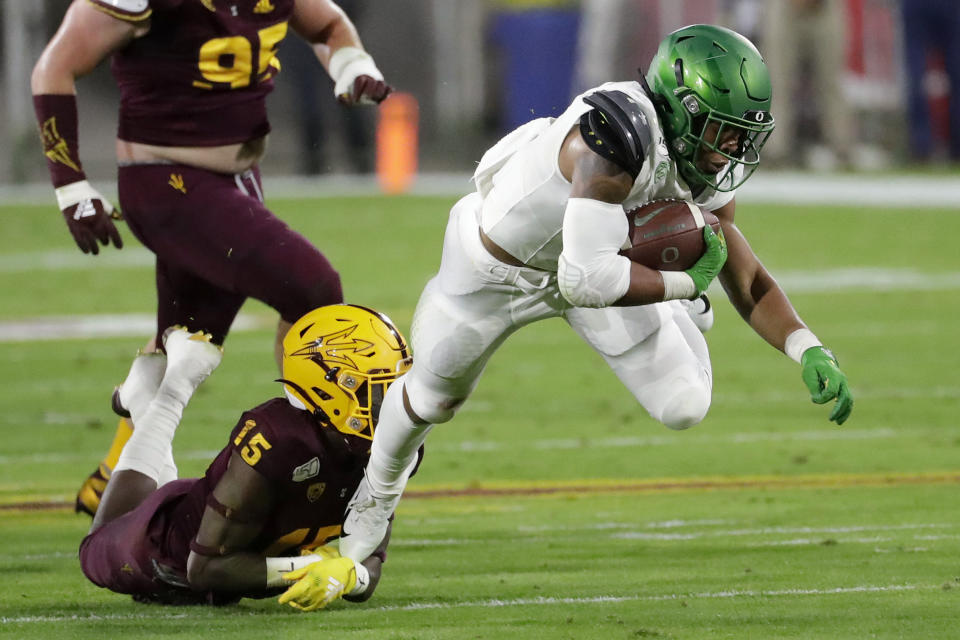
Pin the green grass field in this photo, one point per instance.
(552, 506)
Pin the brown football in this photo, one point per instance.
(668, 234)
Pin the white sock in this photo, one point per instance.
(150, 448)
(395, 445)
(142, 382)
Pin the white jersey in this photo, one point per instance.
(525, 194)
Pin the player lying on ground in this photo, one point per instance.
(194, 77)
(255, 524)
(541, 235)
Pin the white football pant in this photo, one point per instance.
(475, 302)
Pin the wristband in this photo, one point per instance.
(677, 285)
(798, 342)
(57, 117)
(348, 63)
(276, 567)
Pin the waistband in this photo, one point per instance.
(467, 213)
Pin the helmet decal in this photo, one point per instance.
(338, 361)
(337, 347)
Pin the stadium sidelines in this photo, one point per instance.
(874, 190)
(496, 604)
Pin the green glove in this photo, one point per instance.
(826, 381)
(708, 266)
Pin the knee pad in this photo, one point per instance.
(686, 407)
(433, 406)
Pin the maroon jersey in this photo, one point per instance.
(312, 471)
(201, 74)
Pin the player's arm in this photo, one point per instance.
(234, 516)
(337, 45)
(85, 38)
(591, 272)
(765, 307)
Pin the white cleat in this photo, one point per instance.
(700, 311)
(366, 522)
(191, 357)
(133, 396)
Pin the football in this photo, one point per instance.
(667, 235)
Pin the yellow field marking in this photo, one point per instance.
(609, 485)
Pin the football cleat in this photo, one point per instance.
(88, 498)
(366, 522)
(140, 385)
(700, 311)
(191, 357)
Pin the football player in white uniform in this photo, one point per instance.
(540, 238)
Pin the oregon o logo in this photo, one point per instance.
(669, 254)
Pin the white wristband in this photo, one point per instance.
(346, 65)
(363, 580)
(677, 285)
(276, 567)
(798, 342)
(70, 194)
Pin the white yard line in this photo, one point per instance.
(142, 324)
(495, 603)
(686, 439)
(777, 187)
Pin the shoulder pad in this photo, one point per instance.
(617, 129)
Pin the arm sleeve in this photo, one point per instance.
(591, 272)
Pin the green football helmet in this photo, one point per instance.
(703, 75)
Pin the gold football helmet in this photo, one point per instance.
(338, 361)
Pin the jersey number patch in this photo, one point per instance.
(256, 444)
(229, 62)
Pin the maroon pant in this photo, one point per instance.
(120, 555)
(217, 244)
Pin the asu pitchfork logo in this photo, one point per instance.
(176, 181)
(54, 146)
(338, 347)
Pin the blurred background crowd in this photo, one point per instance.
(859, 85)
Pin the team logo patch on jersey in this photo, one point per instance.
(307, 470)
(661, 171)
(316, 490)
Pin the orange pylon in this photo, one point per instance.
(397, 142)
